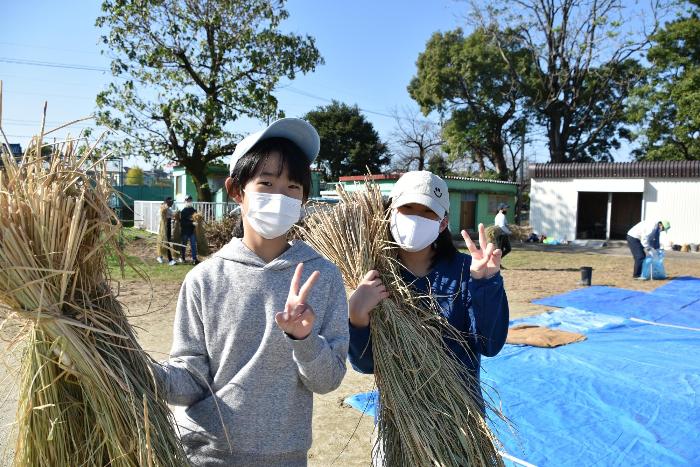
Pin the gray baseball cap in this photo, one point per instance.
(424, 188)
(298, 131)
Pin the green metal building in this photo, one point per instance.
(183, 185)
(472, 200)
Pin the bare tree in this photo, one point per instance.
(416, 139)
(587, 66)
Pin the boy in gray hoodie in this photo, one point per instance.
(262, 325)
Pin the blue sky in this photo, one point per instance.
(370, 49)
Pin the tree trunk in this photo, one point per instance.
(482, 164)
(557, 144)
(198, 170)
(497, 156)
(421, 158)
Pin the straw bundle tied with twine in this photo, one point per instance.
(428, 414)
(87, 394)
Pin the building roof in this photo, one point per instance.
(646, 169)
(396, 176)
(15, 149)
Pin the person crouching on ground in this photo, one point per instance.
(262, 324)
(643, 238)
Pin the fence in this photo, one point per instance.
(147, 213)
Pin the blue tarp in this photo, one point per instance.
(628, 395)
(677, 302)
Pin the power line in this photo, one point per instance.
(34, 46)
(92, 68)
(17, 61)
(41, 94)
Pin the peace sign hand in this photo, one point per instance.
(486, 261)
(297, 319)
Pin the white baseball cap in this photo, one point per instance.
(424, 188)
(298, 131)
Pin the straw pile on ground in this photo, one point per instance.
(518, 233)
(427, 413)
(87, 396)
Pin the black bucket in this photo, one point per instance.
(586, 275)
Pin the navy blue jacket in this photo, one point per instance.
(186, 223)
(476, 307)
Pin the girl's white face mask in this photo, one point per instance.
(272, 215)
(413, 233)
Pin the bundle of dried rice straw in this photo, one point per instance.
(200, 232)
(427, 412)
(87, 395)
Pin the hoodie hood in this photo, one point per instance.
(298, 252)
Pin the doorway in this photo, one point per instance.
(607, 216)
(592, 215)
(626, 212)
(467, 211)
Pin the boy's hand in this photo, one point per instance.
(486, 261)
(297, 319)
(365, 298)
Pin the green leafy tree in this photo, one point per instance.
(349, 143)
(134, 176)
(438, 165)
(185, 70)
(668, 106)
(585, 71)
(473, 83)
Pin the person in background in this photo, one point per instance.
(643, 238)
(188, 230)
(168, 211)
(503, 239)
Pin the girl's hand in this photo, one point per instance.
(365, 298)
(486, 261)
(297, 319)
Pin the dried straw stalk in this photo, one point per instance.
(87, 395)
(428, 414)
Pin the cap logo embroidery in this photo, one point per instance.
(437, 192)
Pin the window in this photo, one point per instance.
(179, 182)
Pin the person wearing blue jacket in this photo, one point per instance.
(643, 238)
(468, 288)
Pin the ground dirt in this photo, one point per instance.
(342, 436)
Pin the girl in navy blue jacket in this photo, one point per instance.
(469, 289)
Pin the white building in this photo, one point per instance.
(603, 200)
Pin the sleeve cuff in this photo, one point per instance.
(496, 279)
(306, 350)
(358, 333)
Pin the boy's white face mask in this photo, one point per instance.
(413, 233)
(272, 215)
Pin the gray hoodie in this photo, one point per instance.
(231, 365)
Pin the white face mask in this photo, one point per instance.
(413, 233)
(272, 215)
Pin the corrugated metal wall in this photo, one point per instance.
(553, 205)
(678, 201)
(553, 208)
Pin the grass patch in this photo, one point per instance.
(551, 260)
(152, 269)
(137, 245)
